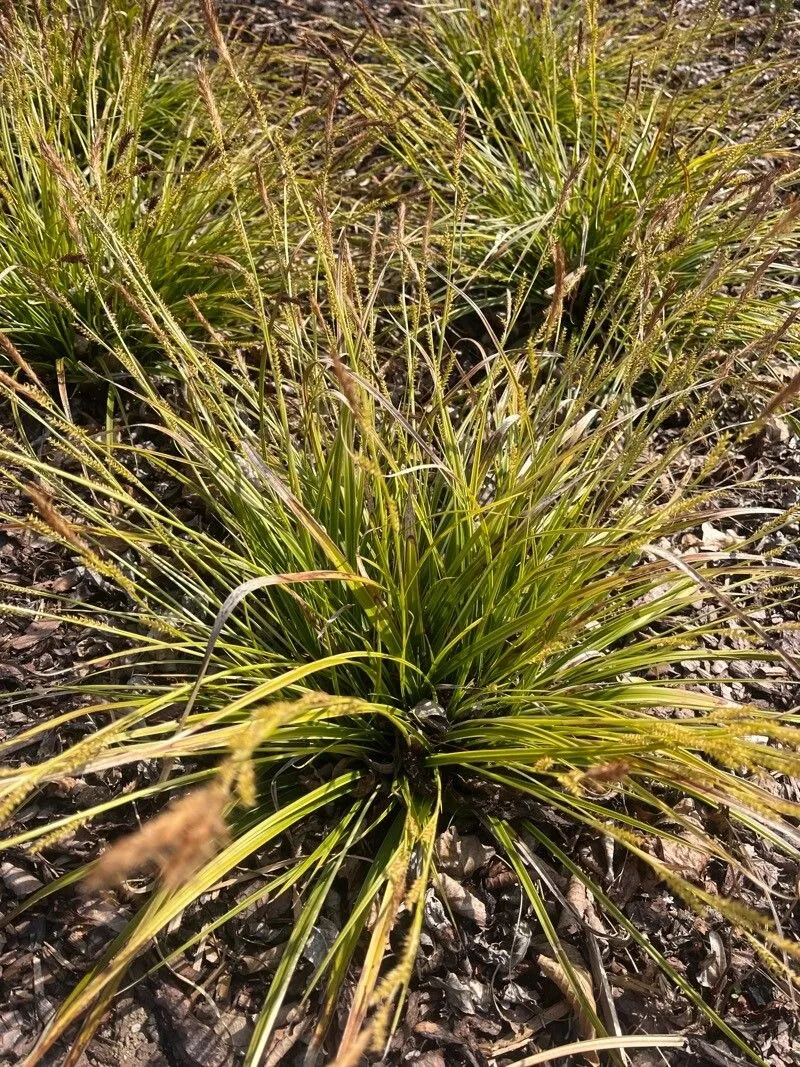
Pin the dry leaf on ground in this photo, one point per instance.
(715, 540)
(461, 855)
(715, 965)
(466, 995)
(462, 901)
(21, 883)
(36, 632)
(581, 908)
(687, 856)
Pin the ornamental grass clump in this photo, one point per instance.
(422, 577)
(106, 96)
(599, 165)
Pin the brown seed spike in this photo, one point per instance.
(604, 776)
(608, 772)
(176, 843)
(57, 523)
(13, 353)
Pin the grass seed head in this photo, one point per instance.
(176, 843)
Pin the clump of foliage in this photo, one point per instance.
(106, 96)
(482, 539)
(421, 576)
(593, 168)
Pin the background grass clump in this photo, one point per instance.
(106, 97)
(428, 573)
(585, 164)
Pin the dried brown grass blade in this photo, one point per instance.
(16, 356)
(791, 389)
(558, 975)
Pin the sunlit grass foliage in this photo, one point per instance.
(594, 169)
(106, 96)
(378, 532)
